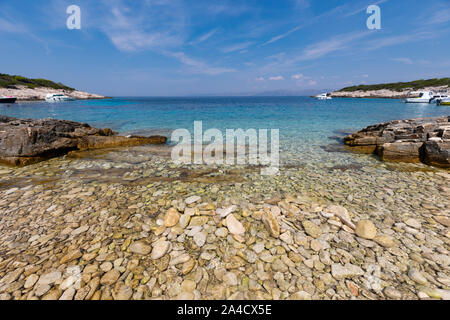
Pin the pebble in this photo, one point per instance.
(392, 293)
(384, 241)
(171, 217)
(110, 277)
(230, 279)
(413, 223)
(140, 247)
(160, 248)
(271, 223)
(192, 199)
(417, 276)
(200, 239)
(312, 229)
(365, 229)
(234, 225)
(340, 272)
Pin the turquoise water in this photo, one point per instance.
(305, 123)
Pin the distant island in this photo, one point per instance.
(397, 90)
(26, 89)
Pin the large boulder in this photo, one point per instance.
(436, 153)
(26, 141)
(401, 151)
(418, 140)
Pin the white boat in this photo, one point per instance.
(444, 102)
(324, 96)
(438, 98)
(9, 99)
(57, 97)
(421, 97)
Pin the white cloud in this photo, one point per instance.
(298, 76)
(276, 78)
(260, 79)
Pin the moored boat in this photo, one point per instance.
(324, 96)
(444, 102)
(9, 99)
(420, 97)
(57, 97)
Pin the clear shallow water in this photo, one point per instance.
(305, 123)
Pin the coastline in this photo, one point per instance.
(384, 93)
(24, 94)
(131, 224)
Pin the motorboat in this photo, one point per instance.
(58, 97)
(439, 97)
(324, 96)
(9, 99)
(444, 102)
(420, 97)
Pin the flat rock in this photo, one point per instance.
(140, 247)
(340, 272)
(234, 225)
(365, 229)
(160, 248)
(27, 141)
(271, 223)
(312, 229)
(171, 218)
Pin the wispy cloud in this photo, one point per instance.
(403, 60)
(323, 48)
(401, 39)
(276, 78)
(227, 8)
(237, 47)
(204, 37)
(150, 25)
(442, 15)
(281, 36)
(355, 12)
(197, 66)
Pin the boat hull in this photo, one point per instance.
(413, 100)
(8, 100)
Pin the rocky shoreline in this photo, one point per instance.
(27, 141)
(23, 93)
(385, 93)
(424, 140)
(129, 224)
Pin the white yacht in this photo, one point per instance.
(420, 97)
(438, 98)
(324, 96)
(57, 97)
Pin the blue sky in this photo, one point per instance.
(176, 47)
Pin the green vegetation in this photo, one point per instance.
(8, 81)
(401, 86)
